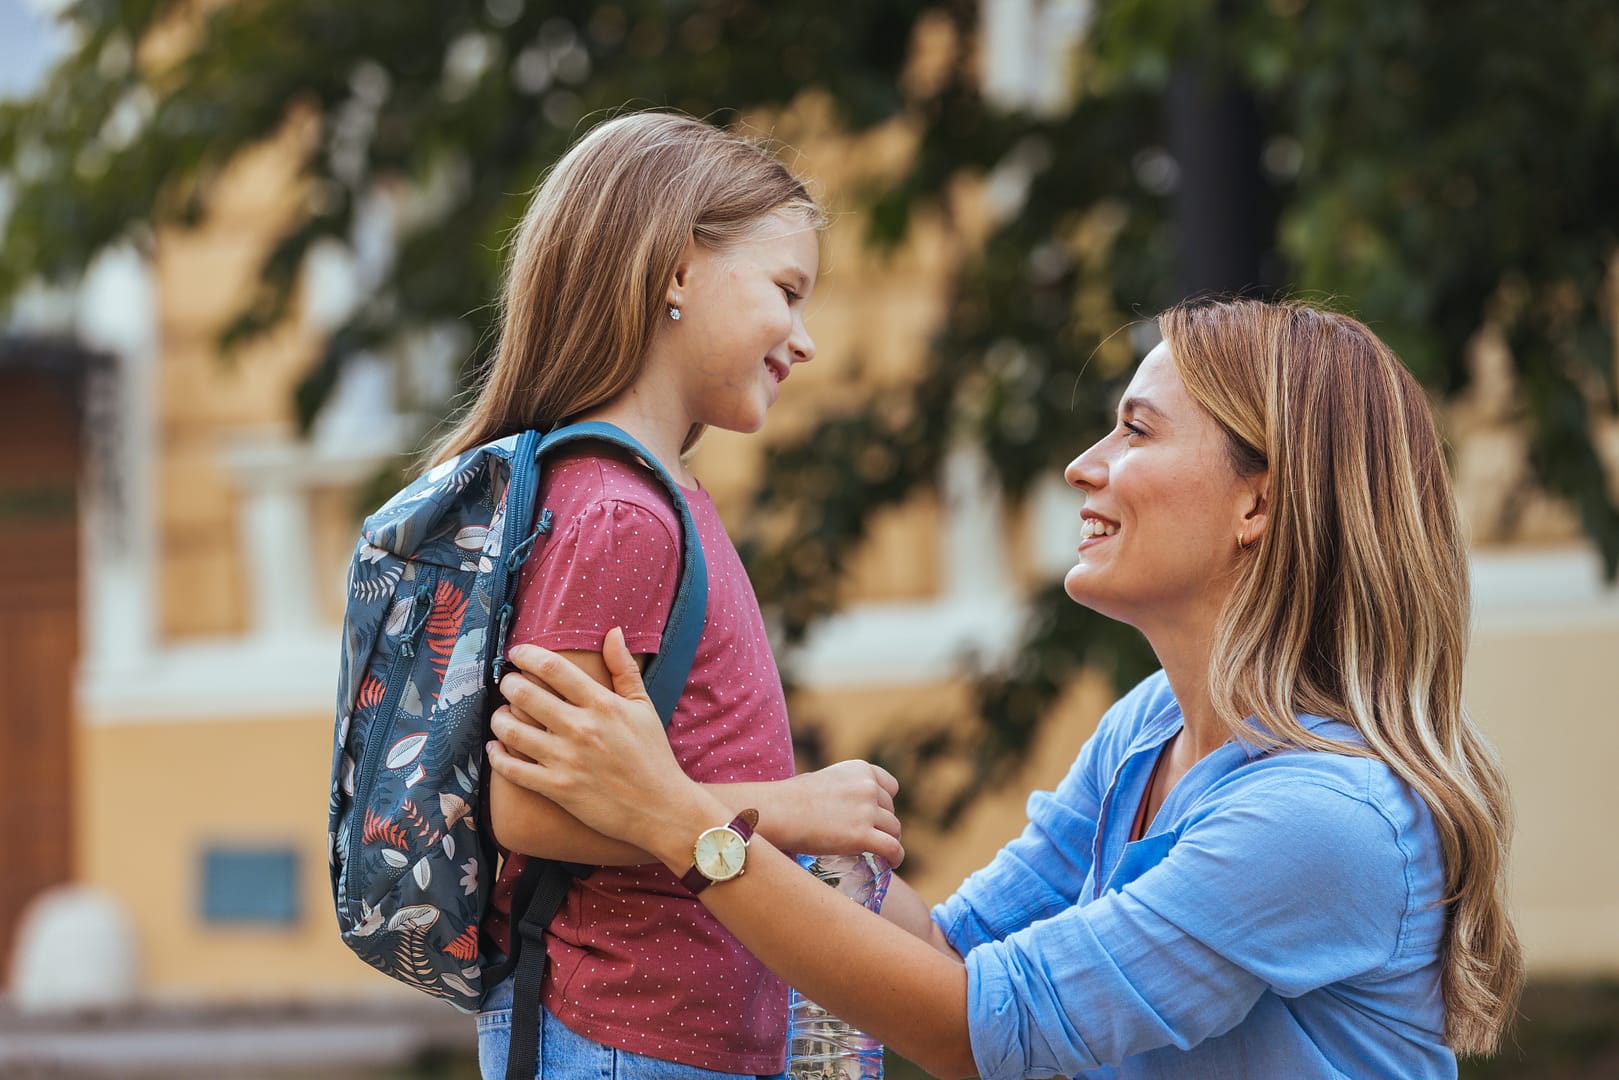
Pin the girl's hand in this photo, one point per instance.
(843, 809)
(603, 756)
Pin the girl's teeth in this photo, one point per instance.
(1093, 528)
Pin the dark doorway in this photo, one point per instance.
(39, 634)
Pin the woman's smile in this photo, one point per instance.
(1095, 528)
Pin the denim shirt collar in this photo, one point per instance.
(1129, 781)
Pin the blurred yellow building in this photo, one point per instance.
(166, 733)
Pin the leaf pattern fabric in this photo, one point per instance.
(403, 797)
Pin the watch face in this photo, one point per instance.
(720, 854)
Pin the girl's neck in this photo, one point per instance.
(656, 425)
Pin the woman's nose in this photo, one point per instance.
(1088, 471)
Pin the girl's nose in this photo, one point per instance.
(801, 345)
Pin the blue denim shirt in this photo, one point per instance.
(1281, 917)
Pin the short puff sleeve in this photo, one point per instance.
(613, 564)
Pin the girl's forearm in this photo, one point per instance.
(907, 910)
(528, 823)
(780, 809)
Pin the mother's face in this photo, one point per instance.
(1164, 507)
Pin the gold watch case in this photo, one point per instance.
(720, 854)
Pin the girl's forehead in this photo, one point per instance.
(782, 227)
(790, 242)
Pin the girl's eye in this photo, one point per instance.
(1130, 428)
(792, 296)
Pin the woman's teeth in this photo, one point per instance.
(1093, 528)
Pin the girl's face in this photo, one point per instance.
(741, 325)
(1163, 507)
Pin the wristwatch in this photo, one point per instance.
(720, 853)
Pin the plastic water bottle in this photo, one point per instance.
(819, 1045)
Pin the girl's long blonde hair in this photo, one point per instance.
(1353, 604)
(593, 257)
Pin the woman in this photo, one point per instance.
(1282, 855)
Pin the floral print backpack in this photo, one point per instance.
(430, 593)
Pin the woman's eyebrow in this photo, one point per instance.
(1140, 404)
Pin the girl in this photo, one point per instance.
(1282, 855)
(658, 282)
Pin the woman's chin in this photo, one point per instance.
(1080, 585)
(1084, 589)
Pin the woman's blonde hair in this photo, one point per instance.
(1353, 604)
(601, 239)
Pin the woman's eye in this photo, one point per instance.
(1130, 428)
(791, 295)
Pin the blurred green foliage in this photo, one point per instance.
(1426, 165)
(461, 105)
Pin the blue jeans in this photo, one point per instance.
(567, 1055)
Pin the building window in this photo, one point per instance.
(250, 885)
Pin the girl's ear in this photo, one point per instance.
(683, 268)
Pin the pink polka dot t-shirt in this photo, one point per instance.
(636, 961)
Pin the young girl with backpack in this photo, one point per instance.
(658, 282)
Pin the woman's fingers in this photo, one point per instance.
(520, 771)
(519, 737)
(511, 716)
(562, 679)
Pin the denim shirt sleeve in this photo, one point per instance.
(1034, 876)
(1039, 874)
(1283, 883)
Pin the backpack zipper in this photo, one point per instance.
(403, 661)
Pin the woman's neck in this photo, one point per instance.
(1185, 652)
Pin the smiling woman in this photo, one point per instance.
(1282, 855)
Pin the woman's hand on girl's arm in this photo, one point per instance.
(601, 755)
(618, 767)
(527, 822)
(842, 809)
